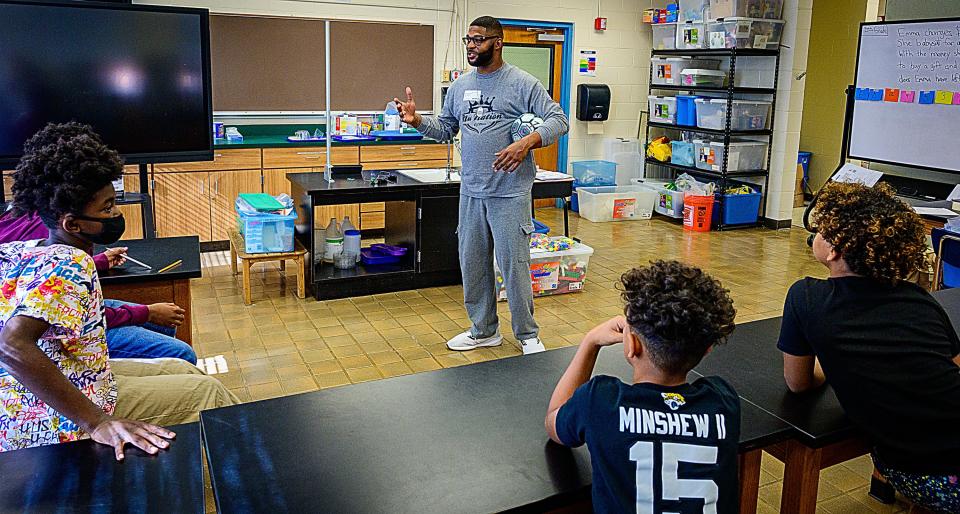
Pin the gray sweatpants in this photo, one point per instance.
(500, 226)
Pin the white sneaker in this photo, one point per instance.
(466, 341)
(532, 345)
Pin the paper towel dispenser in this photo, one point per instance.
(593, 102)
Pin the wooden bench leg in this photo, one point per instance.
(247, 293)
(283, 266)
(749, 481)
(301, 286)
(233, 258)
(801, 479)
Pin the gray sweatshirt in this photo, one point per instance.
(485, 106)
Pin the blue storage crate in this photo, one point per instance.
(687, 110)
(738, 209)
(594, 173)
(681, 152)
(266, 233)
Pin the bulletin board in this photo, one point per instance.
(907, 94)
(276, 64)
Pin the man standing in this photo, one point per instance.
(497, 177)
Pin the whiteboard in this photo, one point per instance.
(907, 97)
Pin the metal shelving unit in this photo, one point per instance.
(731, 90)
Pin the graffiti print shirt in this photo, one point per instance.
(57, 284)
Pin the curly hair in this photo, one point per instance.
(678, 311)
(62, 167)
(878, 235)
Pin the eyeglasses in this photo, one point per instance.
(477, 40)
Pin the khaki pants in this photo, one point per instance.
(166, 391)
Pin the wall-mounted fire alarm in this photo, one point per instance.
(600, 24)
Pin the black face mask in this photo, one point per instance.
(483, 58)
(110, 232)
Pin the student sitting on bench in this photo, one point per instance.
(56, 381)
(133, 331)
(658, 443)
(885, 345)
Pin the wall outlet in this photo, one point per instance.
(445, 76)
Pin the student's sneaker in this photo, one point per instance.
(531, 346)
(466, 341)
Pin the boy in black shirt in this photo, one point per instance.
(885, 345)
(659, 444)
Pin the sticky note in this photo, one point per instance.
(944, 97)
(862, 93)
(907, 97)
(927, 97)
(956, 98)
(876, 95)
(891, 95)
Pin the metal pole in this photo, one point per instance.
(327, 170)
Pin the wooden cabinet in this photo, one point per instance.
(403, 152)
(309, 156)
(241, 159)
(132, 214)
(411, 165)
(182, 204)
(225, 186)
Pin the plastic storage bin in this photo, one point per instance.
(554, 272)
(594, 173)
(694, 10)
(663, 109)
(745, 114)
(744, 33)
(681, 153)
(687, 110)
(770, 9)
(664, 36)
(739, 209)
(617, 203)
(743, 155)
(626, 153)
(669, 203)
(266, 233)
(755, 72)
(702, 77)
(667, 70)
(691, 36)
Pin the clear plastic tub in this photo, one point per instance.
(770, 9)
(669, 203)
(755, 72)
(701, 77)
(266, 233)
(618, 203)
(691, 36)
(663, 109)
(745, 115)
(694, 10)
(744, 33)
(554, 272)
(664, 36)
(667, 71)
(743, 155)
(594, 173)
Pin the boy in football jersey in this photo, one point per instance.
(658, 444)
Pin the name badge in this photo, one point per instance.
(471, 95)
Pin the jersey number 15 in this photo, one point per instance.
(674, 488)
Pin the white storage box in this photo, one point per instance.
(554, 272)
(664, 36)
(694, 10)
(663, 109)
(616, 203)
(755, 72)
(743, 155)
(701, 77)
(669, 203)
(745, 115)
(770, 9)
(744, 33)
(692, 36)
(626, 153)
(667, 71)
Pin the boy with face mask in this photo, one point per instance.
(57, 383)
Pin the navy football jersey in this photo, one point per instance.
(657, 449)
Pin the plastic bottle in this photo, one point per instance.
(351, 243)
(346, 225)
(391, 117)
(333, 241)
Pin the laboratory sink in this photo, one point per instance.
(430, 175)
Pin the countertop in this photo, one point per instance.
(314, 183)
(273, 141)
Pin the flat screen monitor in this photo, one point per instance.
(139, 75)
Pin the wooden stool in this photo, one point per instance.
(238, 249)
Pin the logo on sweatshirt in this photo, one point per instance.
(480, 114)
(673, 400)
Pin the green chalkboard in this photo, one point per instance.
(534, 59)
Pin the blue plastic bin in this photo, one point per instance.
(540, 228)
(682, 153)
(594, 173)
(687, 110)
(266, 233)
(738, 209)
